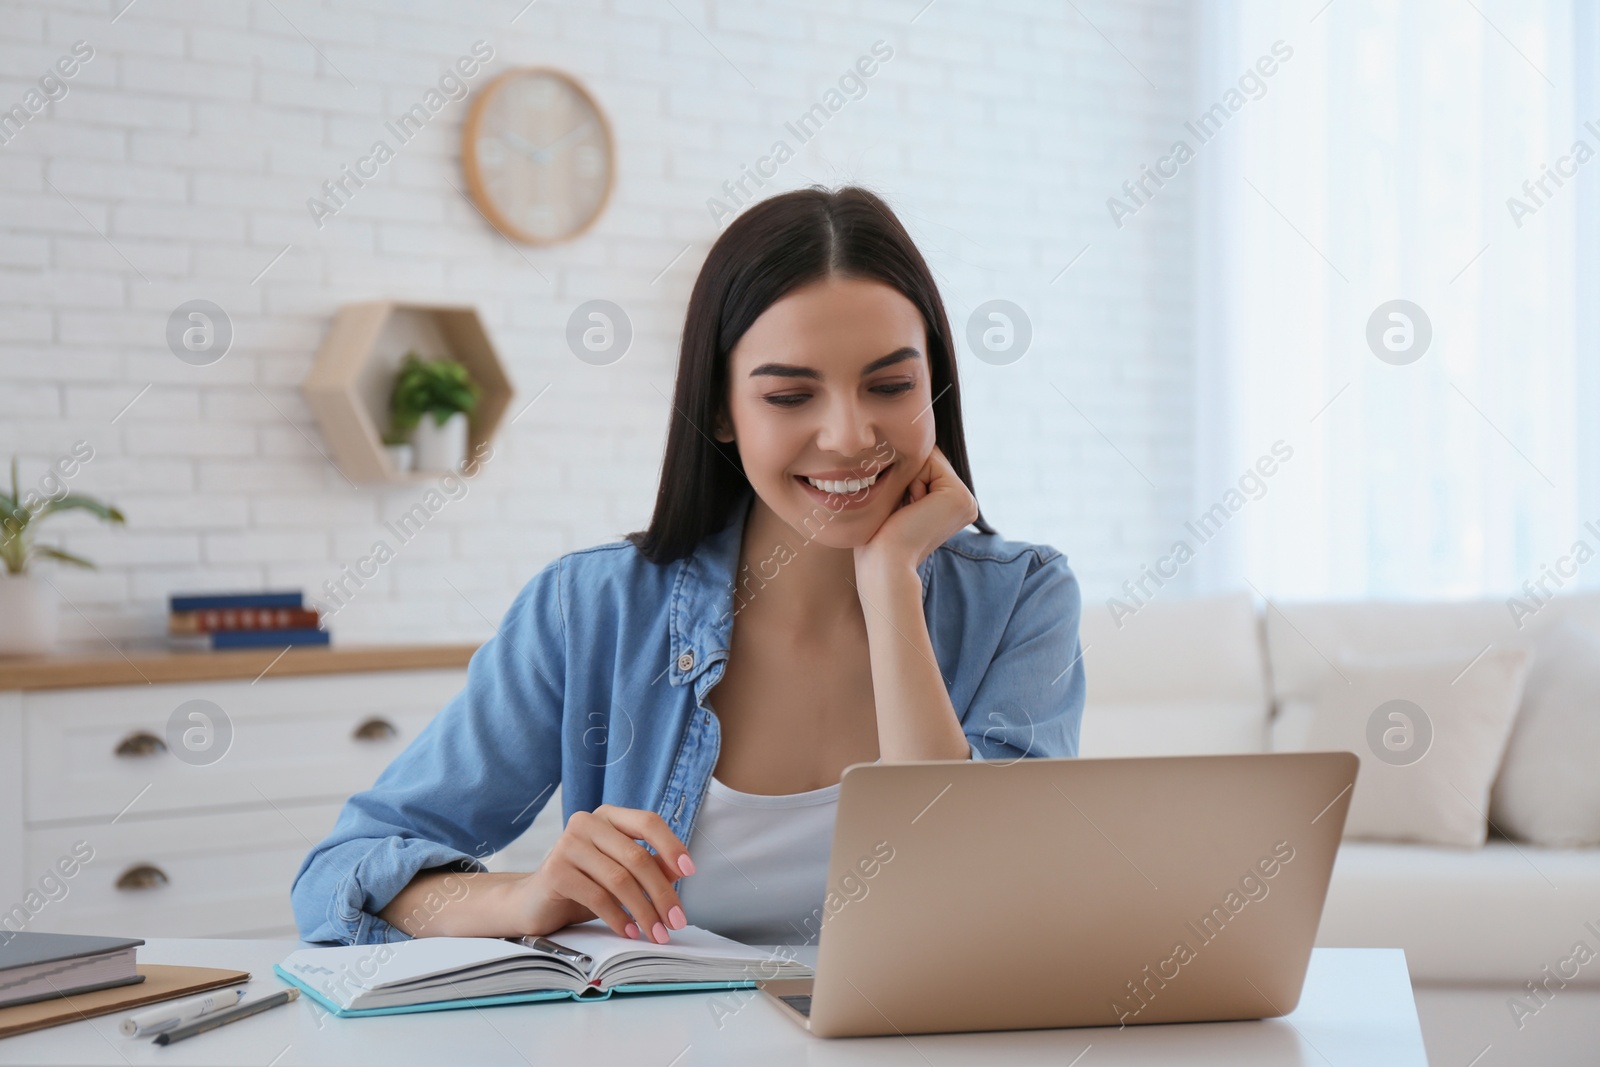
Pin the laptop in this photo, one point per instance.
(975, 895)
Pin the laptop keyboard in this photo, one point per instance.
(800, 1002)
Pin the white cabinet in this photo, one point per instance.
(112, 822)
(181, 875)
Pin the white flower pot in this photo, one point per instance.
(400, 457)
(29, 615)
(440, 448)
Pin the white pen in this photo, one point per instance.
(167, 1016)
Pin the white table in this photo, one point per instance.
(1356, 1011)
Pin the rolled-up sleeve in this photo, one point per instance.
(1030, 701)
(466, 786)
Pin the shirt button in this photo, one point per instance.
(686, 662)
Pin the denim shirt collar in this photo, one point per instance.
(703, 599)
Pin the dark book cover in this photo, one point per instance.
(202, 601)
(248, 639)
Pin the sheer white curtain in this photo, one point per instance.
(1377, 166)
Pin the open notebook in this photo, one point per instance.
(438, 973)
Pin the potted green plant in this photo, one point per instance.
(432, 403)
(29, 612)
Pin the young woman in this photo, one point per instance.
(807, 596)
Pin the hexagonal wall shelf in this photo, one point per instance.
(350, 382)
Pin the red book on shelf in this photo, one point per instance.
(217, 620)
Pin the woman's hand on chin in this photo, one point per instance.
(935, 506)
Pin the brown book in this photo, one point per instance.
(216, 620)
(160, 983)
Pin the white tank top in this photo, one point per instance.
(761, 865)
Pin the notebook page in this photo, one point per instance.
(357, 967)
(603, 944)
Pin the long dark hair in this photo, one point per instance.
(779, 245)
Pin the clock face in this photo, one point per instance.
(537, 154)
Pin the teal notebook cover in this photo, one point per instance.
(589, 993)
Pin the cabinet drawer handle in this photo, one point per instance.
(376, 728)
(140, 743)
(142, 876)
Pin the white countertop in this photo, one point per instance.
(1356, 1011)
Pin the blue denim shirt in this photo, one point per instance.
(598, 679)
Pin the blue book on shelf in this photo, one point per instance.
(203, 602)
(248, 639)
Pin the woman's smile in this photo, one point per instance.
(843, 490)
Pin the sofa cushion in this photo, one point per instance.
(1172, 728)
(1500, 913)
(1178, 678)
(1540, 620)
(1302, 638)
(1548, 790)
(1430, 729)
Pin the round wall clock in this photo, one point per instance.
(538, 155)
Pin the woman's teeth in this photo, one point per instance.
(848, 485)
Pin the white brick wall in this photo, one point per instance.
(193, 138)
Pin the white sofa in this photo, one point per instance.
(1219, 675)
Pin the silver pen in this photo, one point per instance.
(544, 944)
(212, 1020)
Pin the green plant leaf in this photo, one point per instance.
(14, 542)
(440, 387)
(12, 517)
(64, 557)
(86, 503)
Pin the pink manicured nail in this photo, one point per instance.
(632, 930)
(660, 933)
(685, 864)
(677, 918)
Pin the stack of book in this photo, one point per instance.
(51, 979)
(242, 620)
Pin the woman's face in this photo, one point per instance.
(827, 389)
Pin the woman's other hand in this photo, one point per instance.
(597, 868)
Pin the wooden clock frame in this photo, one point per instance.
(469, 157)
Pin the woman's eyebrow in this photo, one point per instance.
(790, 370)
